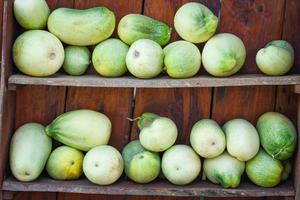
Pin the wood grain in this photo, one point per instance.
(291, 29)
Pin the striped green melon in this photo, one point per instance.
(277, 134)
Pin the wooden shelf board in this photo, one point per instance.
(94, 80)
(159, 187)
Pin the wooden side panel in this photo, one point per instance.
(291, 29)
(34, 196)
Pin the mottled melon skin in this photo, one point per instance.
(133, 27)
(278, 135)
(82, 27)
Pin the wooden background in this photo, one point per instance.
(255, 21)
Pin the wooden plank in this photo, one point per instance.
(7, 104)
(158, 188)
(253, 21)
(115, 103)
(291, 29)
(34, 195)
(93, 80)
(242, 102)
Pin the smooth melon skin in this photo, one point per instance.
(276, 58)
(38, 53)
(224, 170)
(223, 55)
(141, 165)
(82, 27)
(145, 59)
(31, 14)
(103, 165)
(278, 135)
(109, 58)
(207, 138)
(181, 165)
(195, 23)
(65, 163)
(242, 139)
(263, 170)
(30, 148)
(77, 60)
(182, 59)
(133, 27)
(81, 129)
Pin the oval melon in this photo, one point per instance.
(207, 138)
(133, 27)
(81, 129)
(242, 140)
(278, 135)
(82, 27)
(30, 148)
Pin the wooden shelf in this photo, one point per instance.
(160, 187)
(94, 80)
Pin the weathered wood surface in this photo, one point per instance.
(161, 188)
(93, 80)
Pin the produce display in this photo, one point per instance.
(77, 60)
(226, 152)
(109, 58)
(276, 58)
(223, 54)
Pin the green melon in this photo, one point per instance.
(77, 60)
(277, 134)
(141, 165)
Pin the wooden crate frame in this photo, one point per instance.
(11, 82)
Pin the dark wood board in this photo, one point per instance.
(157, 188)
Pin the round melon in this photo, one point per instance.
(109, 58)
(263, 170)
(65, 163)
(242, 140)
(278, 135)
(77, 60)
(181, 165)
(182, 59)
(141, 165)
(31, 14)
(145, 59)
(103, 165)
(38, 53)
(223, 55)
(207, 138)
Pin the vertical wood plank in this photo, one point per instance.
(291, 29)
(35, 196)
